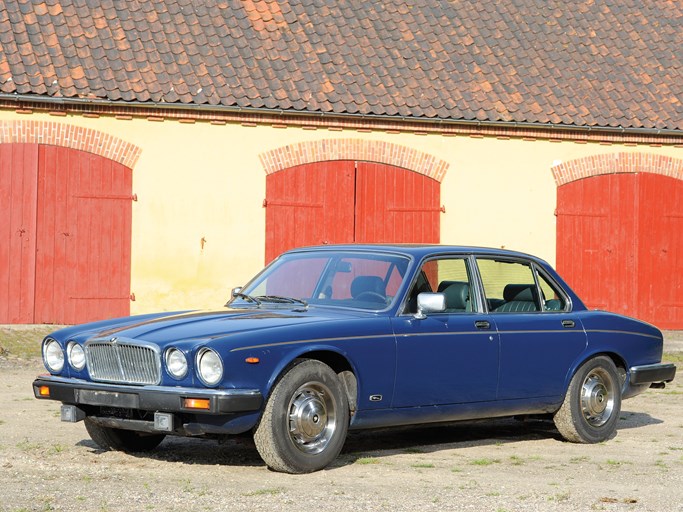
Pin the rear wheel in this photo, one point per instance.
(591, 407)
(109, 438)
(305, 420)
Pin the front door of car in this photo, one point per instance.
(540, 337)
(450, 357)
(445, 359)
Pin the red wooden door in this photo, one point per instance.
(660, 250)
(73, 222)
(396, 205)
(309, 204)
(346, 201)
(619, 244)
(84, 235)
(596, 240)
(18, 178)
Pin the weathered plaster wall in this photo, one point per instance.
(199, 224)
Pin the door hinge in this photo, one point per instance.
(441, 209)
(133, 197)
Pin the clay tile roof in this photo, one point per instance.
(613, 63)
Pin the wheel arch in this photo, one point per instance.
(330, 356)
(617, 359)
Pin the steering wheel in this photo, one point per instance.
(371, 296)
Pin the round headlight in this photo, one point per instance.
(209, 367)
(53, 355)
(76, 355)
(176, 363)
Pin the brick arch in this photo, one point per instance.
(70, 136)
(612, 163)
(354, 149)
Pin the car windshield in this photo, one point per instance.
(365, 280)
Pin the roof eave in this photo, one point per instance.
(66, 102)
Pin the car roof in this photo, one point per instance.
(419, 250)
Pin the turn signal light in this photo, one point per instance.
(252, 360)
(44, 391)
(197, 403)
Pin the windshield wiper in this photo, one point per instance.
(284, 300)
(246, 297)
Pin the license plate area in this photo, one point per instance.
(108, 399)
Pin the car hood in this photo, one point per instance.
(209, 325)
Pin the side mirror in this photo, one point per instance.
(430, 303)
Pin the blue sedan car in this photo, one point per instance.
(333, 338)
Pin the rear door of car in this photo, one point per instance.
(540, 338)
(450, 357)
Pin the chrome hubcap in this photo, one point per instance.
(312, 417)
(597, 397)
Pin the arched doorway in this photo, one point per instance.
(620, 244)
(342, 201)
(65, 235)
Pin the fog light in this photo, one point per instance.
(72, 414)
(163, 421)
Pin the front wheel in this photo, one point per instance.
(305, 421)
(591, 407)
(109, 438)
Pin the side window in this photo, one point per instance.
(551, 297)
(448, 276)
(509, 286)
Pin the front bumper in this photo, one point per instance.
(147, 398)
(652, 373)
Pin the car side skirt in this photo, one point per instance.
(454, 412)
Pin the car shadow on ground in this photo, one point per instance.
(428, 438)
(433, 438)
(233, 451)
(375, 443)
(628, 420)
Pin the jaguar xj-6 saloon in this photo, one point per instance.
(327, 339)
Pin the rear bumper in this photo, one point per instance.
(146, 398)
(652, 373)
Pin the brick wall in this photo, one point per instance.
(611, 163)
(66, 135)
(353, 149)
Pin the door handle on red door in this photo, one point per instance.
(568, 324)
(482, 324)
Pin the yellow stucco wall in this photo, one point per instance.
(205, 182)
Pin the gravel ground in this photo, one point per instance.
(501, 465)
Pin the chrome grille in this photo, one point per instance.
(123, 362)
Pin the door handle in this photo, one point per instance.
(568, 324)
(482, 324)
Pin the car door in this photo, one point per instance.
(449, 357)
(540, 337)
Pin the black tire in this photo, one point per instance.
(109, 438)
(591, 407)
(305, 421)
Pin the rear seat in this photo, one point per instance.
(519, 298)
